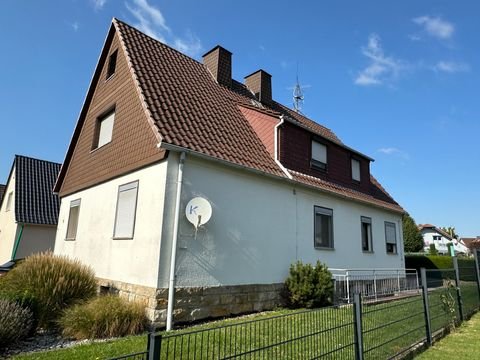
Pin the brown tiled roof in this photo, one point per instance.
(437, 229)
(189, 109)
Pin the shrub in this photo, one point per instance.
(309, 286)
(26, 301)
(432, 250)
(55, 282)
(103, 317)
(15, 322)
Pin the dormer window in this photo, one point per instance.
(112, 64)
(104, 130)
(319, 156)
(356, 170)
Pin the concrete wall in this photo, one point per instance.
(36, 238)
(133, 261)
(260, 226)
(8, 226)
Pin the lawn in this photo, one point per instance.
(461, 344)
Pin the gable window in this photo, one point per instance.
(104, 130)
(391, 237)
(126, 211)
(366, 234)
(112, 64)
(319, 155)
(356, 170)
(436, 237)
(73, 220)
(9, 201)
(323, 228)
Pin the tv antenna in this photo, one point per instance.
(297, 96)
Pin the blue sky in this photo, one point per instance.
(396, 80)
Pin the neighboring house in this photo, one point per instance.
(472, 243)
(2, 191)
(441, 239)
(157, 124)
(29, 209)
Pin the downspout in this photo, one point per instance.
(275, 149)
(17, 242)
(171, 283)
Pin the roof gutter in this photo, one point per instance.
(275, 146)
(292, 181)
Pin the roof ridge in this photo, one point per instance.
(36, 159)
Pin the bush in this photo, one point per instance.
(103, 317)
(55, 282)
(432, 250)
(26, 301)
(309, 286)
(15, 322)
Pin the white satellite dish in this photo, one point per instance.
(198, 211)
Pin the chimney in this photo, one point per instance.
(219, 62)
(260, 83)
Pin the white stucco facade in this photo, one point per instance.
(8, 225)
(258, 228)
(431, 236)
(134, 261)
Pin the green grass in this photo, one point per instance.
(461, 344)
(388, 329)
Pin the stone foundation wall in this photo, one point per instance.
(197, 303)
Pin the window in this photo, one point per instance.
(73, 220)
(319, 156)
(366, 234)
(355, 170)
(112, 64)
(391, 237)
(435, 237)
(323, 228)
(9, 201)
(126, 209)
(104, 130)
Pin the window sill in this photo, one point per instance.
(392, 253)
(100, 147)
(324, 248)
(122, 238)
(70, 239)
(110, 77)
(368, 251)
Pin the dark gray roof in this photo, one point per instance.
(35, 202)
(2, 191)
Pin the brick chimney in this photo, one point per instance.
(260, 83)
(219, 62)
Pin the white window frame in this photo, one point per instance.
(123, 188)
(74, 203)
(367, 220)
(319, 158)
(356, 172)
(389, 241)
(103, 133)
(323, 211)
(8, 205)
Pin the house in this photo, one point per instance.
(441, 239)
(472, 243)
(157, 129)
(29, 209)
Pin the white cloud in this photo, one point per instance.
(381, 68)
(99, 4)
(435, 26)
(394, 152)
(451, 67)
(151, 21)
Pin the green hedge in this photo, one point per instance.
(435, 262)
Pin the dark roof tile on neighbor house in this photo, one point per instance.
(191, 110)
(2, 191)
(35, 202)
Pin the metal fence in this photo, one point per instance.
(373, 283)
(364, 329)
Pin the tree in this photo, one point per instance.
(412, 237)
(450, 231)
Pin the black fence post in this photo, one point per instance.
(457, 285)
(357, 323)
(426, 307)
(477, 271)
(154, 346)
